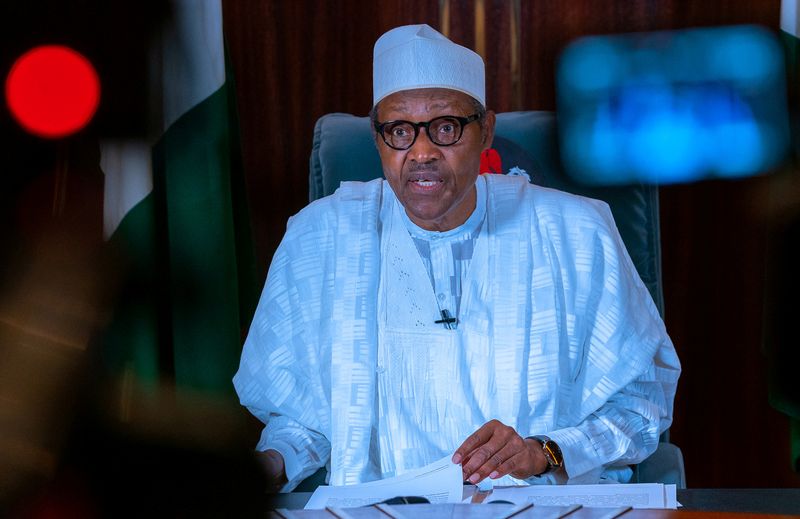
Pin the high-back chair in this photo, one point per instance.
(527, 144)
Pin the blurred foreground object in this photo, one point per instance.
(52, 91)
(49, 310)
(668, 107)
(120, 323)
(112, 38)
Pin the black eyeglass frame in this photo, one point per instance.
(463, 121)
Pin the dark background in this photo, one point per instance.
(297, 60)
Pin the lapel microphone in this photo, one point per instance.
(447, 320)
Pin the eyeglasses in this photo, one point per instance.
(442, 131)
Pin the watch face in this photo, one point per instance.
(553, 453)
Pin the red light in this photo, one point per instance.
(52, 91)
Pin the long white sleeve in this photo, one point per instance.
(303, 450)
(281, 378)
(629, 369)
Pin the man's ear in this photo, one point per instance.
(488, 129)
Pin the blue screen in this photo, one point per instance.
(672, 107)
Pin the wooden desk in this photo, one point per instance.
(499, 511)
(697, 504)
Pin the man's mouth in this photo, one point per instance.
(426, 183)
(425, 179)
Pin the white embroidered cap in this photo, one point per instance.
(417, 56)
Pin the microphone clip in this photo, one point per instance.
(447, 320)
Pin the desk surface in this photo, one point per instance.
(697, 503)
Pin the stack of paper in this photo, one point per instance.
(635, 495)
(441, 482)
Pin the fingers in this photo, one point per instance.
(474, 441)
(487, 456)
(525, 463)
(493, 451)
(490, 465)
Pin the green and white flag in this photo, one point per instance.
(176, 215)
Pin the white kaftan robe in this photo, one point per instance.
(557, 335)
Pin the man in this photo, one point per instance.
(440, 312)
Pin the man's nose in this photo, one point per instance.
(423, 149)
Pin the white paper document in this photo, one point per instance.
(635, 495)
(439, 482)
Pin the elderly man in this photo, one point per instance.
(440, 312)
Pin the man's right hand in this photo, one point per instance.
(272, 462)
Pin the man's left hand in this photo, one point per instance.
(496, 450)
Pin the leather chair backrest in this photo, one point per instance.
(344, 149)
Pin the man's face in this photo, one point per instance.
(434, 183)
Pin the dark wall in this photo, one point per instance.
(297, 60)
